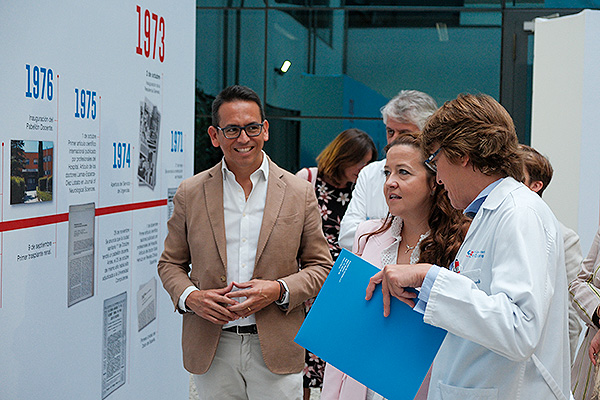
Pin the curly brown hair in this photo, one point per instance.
(447, 226)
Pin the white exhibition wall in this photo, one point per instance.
(565, 123)
(97, 110)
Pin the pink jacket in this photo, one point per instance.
(336, 384)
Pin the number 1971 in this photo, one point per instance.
(176, 142)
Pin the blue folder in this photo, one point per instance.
(388, 355)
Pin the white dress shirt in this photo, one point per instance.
(243, 220)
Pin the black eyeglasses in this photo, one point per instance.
(234, 131)
(430, 163)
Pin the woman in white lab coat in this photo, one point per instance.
(505, 308)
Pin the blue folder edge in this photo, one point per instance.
(388, 355)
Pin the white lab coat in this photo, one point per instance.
(368, 202)
(506, 309)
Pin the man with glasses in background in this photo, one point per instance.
(231, 261)
(406, 112)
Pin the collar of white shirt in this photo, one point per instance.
(264, 168)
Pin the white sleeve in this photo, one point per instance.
(184, 297)
(356, 212)
(524, 263)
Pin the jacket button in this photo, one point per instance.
(223, 278)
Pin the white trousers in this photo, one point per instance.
(238, 372)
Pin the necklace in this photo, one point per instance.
(416, 253)
(409, 248)
(389, 255)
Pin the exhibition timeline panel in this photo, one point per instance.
(97, 104)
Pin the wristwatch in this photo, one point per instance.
(284, 296)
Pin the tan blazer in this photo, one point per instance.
(195, 253)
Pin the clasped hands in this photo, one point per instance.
(394, 280)
(220, 306)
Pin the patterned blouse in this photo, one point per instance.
(333, 203)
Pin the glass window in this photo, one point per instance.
(460, 54)
(348, 58)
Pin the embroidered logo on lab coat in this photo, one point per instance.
(475, 253)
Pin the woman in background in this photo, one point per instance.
(338, 167)
(585, 293)
(421, 226)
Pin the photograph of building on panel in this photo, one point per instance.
(30, 171)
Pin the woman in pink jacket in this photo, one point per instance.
(421, 226)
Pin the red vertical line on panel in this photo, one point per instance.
(57, 97)
(55, 227)
(54, 157)
(133, 295)
(162, 91)
(98, 148)
(163, 212)
(97, 251)
(2, 233)
(2, 195)
(55, 168)
(97, 220)
(131, 258)
(56, 241)
(162, 113)
(133, 177)
(55, 173)
(1, 267)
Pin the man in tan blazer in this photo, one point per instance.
(244, 250)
